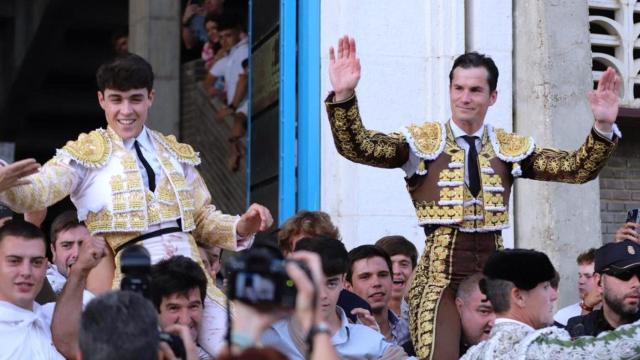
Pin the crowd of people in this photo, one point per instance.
(144, 223)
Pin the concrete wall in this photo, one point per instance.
(154, 33)
(552, 67)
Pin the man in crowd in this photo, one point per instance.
(476, 313)
(318, 223)
(587, 288)
(131, 185)
(350, 340)
(617, 275)
(517, 282)
(178, 288)
(459, 175)
(369, 276)
(404, 258)
(66, 235)
(211, 258)
(123, 325)
(24, 326)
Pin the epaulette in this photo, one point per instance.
(427, 140)
(508, 146)
(91, 150)
(183, 152)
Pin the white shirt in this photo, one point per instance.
(458, 134)
(25, 334)
(149, 153)
(230, 67)
(563, 315)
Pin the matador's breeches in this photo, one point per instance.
(449, 256)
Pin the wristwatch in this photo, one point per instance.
(321, 327)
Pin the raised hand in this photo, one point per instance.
(13, 174)
(344, 70)
(604, 100)
(257, 218)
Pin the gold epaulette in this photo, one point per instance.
(509, 146)
(91, 150)
(183, 152)
(427, 140)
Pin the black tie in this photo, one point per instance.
(472, 162)
(150, 174)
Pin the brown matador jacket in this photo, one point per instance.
(442, 200)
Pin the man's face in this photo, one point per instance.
(212, 31)
(329, 294)
(23, 265)
(586, 281)
(213, 265)
(371, 280)
(229, 38)
(477, 317)
(470, 96)
(539, 304)
(121, 45)
(402, 270)
(183, 310)
(126, 111)
(65, 249)
(623, 297)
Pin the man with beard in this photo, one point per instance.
(518, 284)
(617, 272)
(476, 312)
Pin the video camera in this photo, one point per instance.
(135, 265)
(258, 277)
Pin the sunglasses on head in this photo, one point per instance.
(624, 275)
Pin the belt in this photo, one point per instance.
(146, 236)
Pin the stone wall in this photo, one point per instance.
(620, 180)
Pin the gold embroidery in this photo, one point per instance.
(512, 145)
(99, 222)
(91, 150)
(427, 138)
(452, 175)
(183, 152)
(116, 184)
(129, 163)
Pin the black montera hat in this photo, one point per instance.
(525, 268)
(617, 256)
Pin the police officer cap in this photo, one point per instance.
(617, 256)
(525, 268)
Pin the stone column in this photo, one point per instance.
(552, 76)
(154, 33)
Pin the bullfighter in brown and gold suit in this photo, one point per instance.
(459, 176)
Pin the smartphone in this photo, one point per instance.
(632, 216)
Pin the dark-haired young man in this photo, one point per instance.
(459, 176)
(351, 341)
(587, 289)
(369, 276)
(404, 258)
(131, 184)
(24, 325)
(178, 288)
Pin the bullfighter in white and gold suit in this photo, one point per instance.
(111, 177)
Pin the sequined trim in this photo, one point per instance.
(427, 141)
(91, 150)
(183, 152)
(510, 147)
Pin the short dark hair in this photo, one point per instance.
(587, 257)
(125, 72)
(332, 253)
(399, 245)
(498, 291)
(474, 59)
(119, 325)
(230, 20)
(366, 252)
(178, 274)
(312, 223)
(21, 228)
(63, 222)
(213, 17)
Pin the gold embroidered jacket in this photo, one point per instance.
(430, 153)
(106, 186)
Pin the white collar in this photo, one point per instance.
(507, 320)
(143, 139)
(457, 132)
